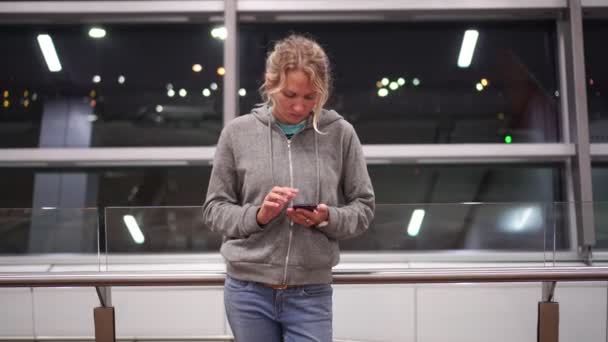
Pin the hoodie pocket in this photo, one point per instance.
(266, 247)
(313, 249)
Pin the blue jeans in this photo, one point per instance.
(260, 314)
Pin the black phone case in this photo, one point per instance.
(309, 207)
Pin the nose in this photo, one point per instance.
(298, 107)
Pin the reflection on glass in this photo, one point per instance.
(600, 196)
(107, 90)
(132, 187)
(395, 183)
(596, 55)
(532, 226)
(131, 230)
(102, 187)
(440, 104)
(48, 230)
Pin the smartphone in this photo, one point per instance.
(309, 207)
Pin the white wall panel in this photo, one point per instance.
(168, 311)
(378, 313)
(582, 309)
(477, 313)
(16, 313)
(426, 313)
(65, 311)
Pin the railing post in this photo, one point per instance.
(105, 323)
(548, 315)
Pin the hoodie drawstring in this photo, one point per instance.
(317, 164)
(270, 151)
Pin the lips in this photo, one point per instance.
(296, 117)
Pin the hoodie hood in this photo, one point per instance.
(327, 117)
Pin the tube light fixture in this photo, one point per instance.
(467, 48)
(48, 51)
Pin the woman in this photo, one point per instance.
(288, 151)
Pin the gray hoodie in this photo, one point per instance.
(253, 155)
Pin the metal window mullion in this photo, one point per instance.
(594, 3)
(563, 36)
(109, 7)
(377, 154)
(394, 5)
(599, 151)
(468, 153)
(230, 62)
(100, 157)
(580, 130)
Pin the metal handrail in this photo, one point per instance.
(405, 276)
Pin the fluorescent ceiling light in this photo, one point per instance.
(97, 32)
(415, 222)
(48, 51)
(467, 48)
(220, 33)
(133, 228)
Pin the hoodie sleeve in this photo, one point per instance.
(356, 215)
(222, 212)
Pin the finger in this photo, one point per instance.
(309, 222)
(322, 212)
(274, 197)
(306, 214)
(285, 191)
(306, 221)
(297, 218)
(271, 204)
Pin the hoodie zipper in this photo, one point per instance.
(290, 222)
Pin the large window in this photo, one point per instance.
(400, 82)
(474, 207)
(451, 195)
(180, 230)
(139, 85)
(600, 197)
(595, 33)
(103, 187)
(596, 55)
(156, 79)
(467, 183)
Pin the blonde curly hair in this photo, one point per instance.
(297, 52)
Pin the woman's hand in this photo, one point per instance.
(309, 218)
(274, 202)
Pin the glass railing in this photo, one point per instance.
(176, 237)
(49, 239)
(160, 238)
(147, 241)
(541, 233)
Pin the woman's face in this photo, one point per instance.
(296, 100)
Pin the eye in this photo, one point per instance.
(288, 94)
